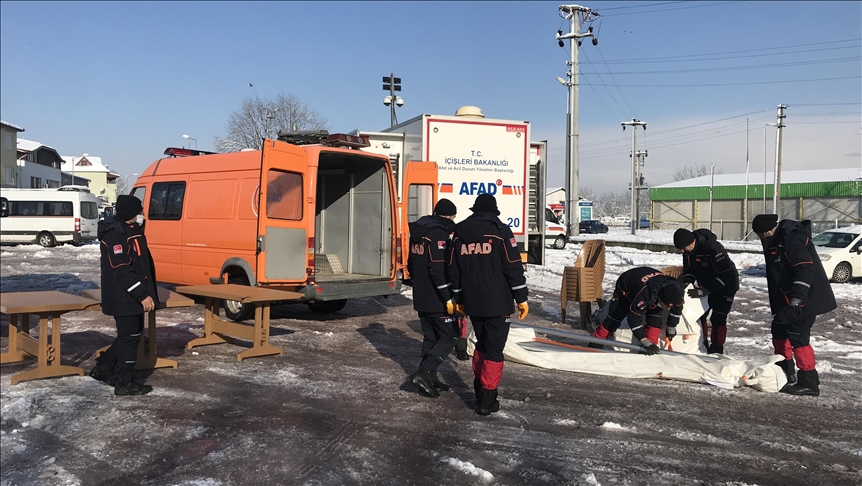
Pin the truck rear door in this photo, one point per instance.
(285, 207)
(418, 199)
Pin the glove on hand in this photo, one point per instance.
(523, 310)
(697, 292)
(649, 347)
(796, 307)
(450, 307)
(459, 309)
(670, 332)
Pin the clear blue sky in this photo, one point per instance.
(125, 80)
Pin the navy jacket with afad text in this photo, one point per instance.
(710, 264)
(793, 270)
(427, 263)
(638, 289)
(128, 272)
(485, 268)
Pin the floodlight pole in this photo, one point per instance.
(576, 15)
(635, 222)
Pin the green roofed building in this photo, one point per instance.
(826, 197)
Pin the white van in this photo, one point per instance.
(840, 252)
(48, 216)
(555, 232)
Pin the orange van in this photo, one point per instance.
(308, 213)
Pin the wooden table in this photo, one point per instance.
(48, 305)
(214, 327)
(147, 358)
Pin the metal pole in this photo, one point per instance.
(745, 203)
(634, 124)
(711, 185)
(392, 95)
(777, 191)
(764, 170)
(575, 82)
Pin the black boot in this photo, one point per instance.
(439, 385)
(486, 401)
(424, 381)
(461, 349)
(715, 349)
(133, 388)
(103, 374)
(789, 368)
(807, 384)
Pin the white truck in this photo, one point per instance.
(474, 155)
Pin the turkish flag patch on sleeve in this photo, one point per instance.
(513, 242)
(441, 245)
(118, 249)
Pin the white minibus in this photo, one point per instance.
(48, 216)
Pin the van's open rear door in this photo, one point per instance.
(418, 199)
(285, 206)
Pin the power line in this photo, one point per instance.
(740, 68)
(736, 84)
(606, 86)
(688, 6)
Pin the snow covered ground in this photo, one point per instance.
(337, 407)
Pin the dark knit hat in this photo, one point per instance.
(682, 238)
(671, 294)
(445, 207)
(127, 207)
(764, 222)
(485, 203)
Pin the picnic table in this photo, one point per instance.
(147, 358)
(48, 305)
(215, 329)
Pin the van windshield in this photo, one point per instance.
(831, 239)
(89, 210)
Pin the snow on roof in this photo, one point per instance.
(553, 189)
(95, 163)
(787, 177)
(30, 145)
(15, 127)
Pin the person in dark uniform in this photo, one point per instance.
(487, 279)
(430, 241)
(799, 291)
(639, 292)
(128, 290)
(706, 262)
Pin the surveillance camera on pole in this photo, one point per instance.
(577, 17)
(392, 84)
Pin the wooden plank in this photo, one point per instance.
(167, 298)
(241, 293)
(42, 302)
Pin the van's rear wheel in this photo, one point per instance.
(46, 239)
(235, 310)
(560, 242)
(326, 307)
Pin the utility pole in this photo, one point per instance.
(577, 16)
(640, 180)
(634, 124)
(392, 84)
(777, 191)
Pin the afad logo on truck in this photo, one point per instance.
(476, 188)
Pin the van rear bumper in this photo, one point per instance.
(350, 290)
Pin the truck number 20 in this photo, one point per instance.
(514, 222)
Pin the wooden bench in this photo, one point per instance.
(147, 358)
(214, 327)
(48, 305)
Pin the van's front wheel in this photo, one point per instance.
(235, 310)
(326, 307)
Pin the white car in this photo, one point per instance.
(840, 251)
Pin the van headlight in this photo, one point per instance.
(824, 258)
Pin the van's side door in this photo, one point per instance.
(418, 199)
(285, 206)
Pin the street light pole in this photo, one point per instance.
(126, 182)
(191, 138)
(576, 15)
(634, 124)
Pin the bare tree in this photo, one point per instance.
(691, 171)
(261, 118)
(613, 204)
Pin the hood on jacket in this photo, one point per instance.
(111, 223)
(787, 226)
(703, 236)
(476, 226)
(425, 224)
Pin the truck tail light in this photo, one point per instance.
(398, 251)
(310, 253)
(77, 224)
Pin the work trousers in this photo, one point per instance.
(439, 333)
(619, 310)
(491, 336)
(792, 340)
(719, 308)
(123, 352)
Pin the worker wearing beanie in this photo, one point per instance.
(706, 263)
(128, 290)
(487, 278)
(799, 291)
(641, 295)
(430, 240)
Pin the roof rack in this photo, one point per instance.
(323, 137)
(184, 152)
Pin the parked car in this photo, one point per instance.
(644, 222)
(592, 226)
(840, 252)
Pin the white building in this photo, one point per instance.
(103, 182)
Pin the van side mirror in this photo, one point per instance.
(4, 208)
